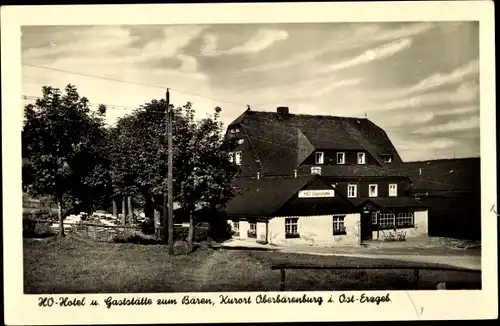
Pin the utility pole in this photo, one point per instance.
(168, 204)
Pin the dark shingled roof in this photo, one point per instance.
(390, 202)
(283, 142)
(444, 175)
(351, 171)
(265, 196)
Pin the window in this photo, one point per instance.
(393, 190)
(352, 191)
(241, 141)
(373, 190)
(404, 219)
(231, 157)
(387, 158)
(374, 217)
(237, 130)
(292, 227)
(319, 157)
(238, 158)
(361, 158)
(338, 224)
(252, 231)
(340, 158)
(316, 170)
(386, 220)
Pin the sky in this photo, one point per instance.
(417, 81)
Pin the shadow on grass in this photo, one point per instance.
(36, 235)
(243, 248)
(135, 239)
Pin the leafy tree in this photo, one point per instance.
(64, 147)
(138, 155)
(202, 172)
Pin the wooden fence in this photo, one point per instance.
(112, 233)
(415, 268)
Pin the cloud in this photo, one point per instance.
(440, 79)
(188, 63)
(442, 143)
(95, 40)
(312, 91)
(210, 45)
(453, 126)
(407, 119)
(175, 39)
(379, 53)
(460, 110)
(464, 93)
(261, 40)
(352, 37)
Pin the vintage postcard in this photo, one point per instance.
(249, 162)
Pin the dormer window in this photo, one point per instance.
(361, 158)
(393, 190)
(316, 170)
(320, 157)
(352, 190)
(387, 158)
(340, 158)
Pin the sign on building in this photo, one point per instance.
(316, 193)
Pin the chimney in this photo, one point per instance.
(295, 173)
(282, 110)
(258, 175)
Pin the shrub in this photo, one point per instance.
(148, 226)
(34, 229)
(220, 230)
(200, 233)
(395, 236)
(182, 248)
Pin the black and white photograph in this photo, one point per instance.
(260, 163)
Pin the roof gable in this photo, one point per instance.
(264, 196)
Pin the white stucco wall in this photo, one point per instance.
(244, 227)
(420, 227)
(352, 225)
(422, 222)
(315, 231)
(261, 231)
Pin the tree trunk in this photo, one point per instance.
(157, 223)
(130, 210)
(124, 210)
(148, 207)
(115, 209)
(60, 215)
(190, 237)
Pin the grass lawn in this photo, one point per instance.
(76, 266)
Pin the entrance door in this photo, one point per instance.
(366, 226)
